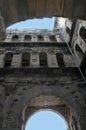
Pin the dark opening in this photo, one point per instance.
(43, 59)
(52, 38)
(59, 57)
(8, 59)
(68, 30)
(83, 33)
(79, 51)
(40, 38)
(27, 38)
(26, 59)
(15, 37)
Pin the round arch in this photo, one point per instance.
(38, 103)
(69, 103)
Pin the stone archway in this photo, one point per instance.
(50, 102)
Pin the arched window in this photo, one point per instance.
(15, 38)
(43, 59)
(59, 57)
(68, 30)
(40, 38)
(8, 59)
(83, 33)
(27, 38)
(53, 38)
(79, 51)
(46, 120)
(26, 59)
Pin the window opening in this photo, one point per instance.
(83, 33)
(15, 38)
(26, 59)
(79, 51)
(40, 38)
(59, 57)
(52, 38)
(68, 30)
(43, 59)
(27, 38)
(8, 59)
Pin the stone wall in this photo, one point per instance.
(52, 81)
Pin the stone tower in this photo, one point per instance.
(43, 69)
(37, 71)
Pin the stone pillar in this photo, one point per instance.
(2, 28)
(34, 60)
(1, 115)
(46, 39)
(16, 61)
(69, 61)
(14, 122)
(82, 122)
(1, 60)
(52, 61)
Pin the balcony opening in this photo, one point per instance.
(46, 120)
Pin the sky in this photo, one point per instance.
(45, 23)
(46, 120)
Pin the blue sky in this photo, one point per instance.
(46, 120)
(45, 23)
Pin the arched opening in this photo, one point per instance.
(60, 60)
(43, 59)
(79, 51)
(68, 30)
(46, 120)
(83, 33)
(26, 59)
(27, 38)
(8, 59)
(53, 38)
(40, 38)
(15, 38)
(36, 23)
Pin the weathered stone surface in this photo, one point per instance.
(25, 89)
(13, 11)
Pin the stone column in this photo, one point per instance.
(16, 61)
(34, 60)
(1, 60)
(52, 61)
(2, 28)
(82, 122)
(69, 61)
